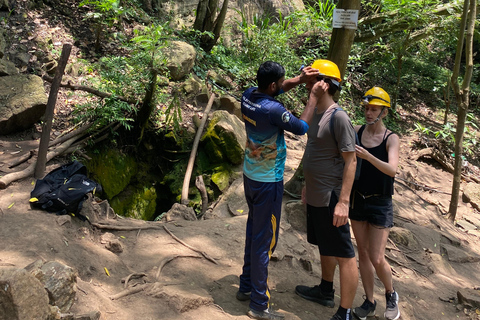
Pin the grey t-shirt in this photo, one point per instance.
(322, 162)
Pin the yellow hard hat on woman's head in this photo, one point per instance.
(327, 68)
(377, 97)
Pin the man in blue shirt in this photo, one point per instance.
(265, 153)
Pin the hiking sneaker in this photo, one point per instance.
(336, 316)
(243, 296)
(392, 312)
(267, 314)
(316, 294)
(367, 309)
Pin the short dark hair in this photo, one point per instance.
(269, 72)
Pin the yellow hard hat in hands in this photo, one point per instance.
(327, 68)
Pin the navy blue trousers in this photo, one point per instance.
(264, 201)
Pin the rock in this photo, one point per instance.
(232, 203)
(7, 68)
(114, 246)
(182, 298)
(230, 104)
(113, 169)
(64, 220)
(180, 59)
(221, 179)
(225, 138)
(471, 193)
(218, 79)
(439, 265)
(465, 225)
(192, 86)
(22, 102)
(296, 215)
(59, 280)
(22, 296)
(137, 201)
(3, 43)
(403, 236)
(469, 297)
(455, 254)
(180, 212)
(473, 220)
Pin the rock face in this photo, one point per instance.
(22, 102)
(22, 296)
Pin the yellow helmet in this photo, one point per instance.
(327, 68)
(376, 96)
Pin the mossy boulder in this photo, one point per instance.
(225, 138)
(222, 177)
(138, 202)
(113, 170)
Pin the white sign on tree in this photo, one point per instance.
(347, 19)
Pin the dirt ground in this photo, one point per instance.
(189, 286)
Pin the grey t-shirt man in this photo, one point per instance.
(322, 162)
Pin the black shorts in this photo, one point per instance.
(376, 210)
(332, 241)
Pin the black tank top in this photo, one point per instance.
(373, 181)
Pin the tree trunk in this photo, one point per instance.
(147, 105)
(218, 25)
(48, 118)
(342, 39)
(462, 95)
(205, 21)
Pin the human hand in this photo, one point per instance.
(308, 74)
(361, 152)
(319, 89)
(340, 214)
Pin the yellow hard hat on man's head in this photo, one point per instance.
(377, 97)
(327, 68)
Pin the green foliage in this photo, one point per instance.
(105, 11)
(174, 114)
(321, 10)
(447, 134)
(106, 111)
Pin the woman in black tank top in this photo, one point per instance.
(371, 211)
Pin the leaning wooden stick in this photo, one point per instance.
(190, 247)
(191, 160)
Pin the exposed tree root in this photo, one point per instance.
(112, 226)
(189, 246)
(132, 276)
(167, 260)
(128, 292)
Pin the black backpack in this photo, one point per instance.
(63, 190)
(357, 141)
